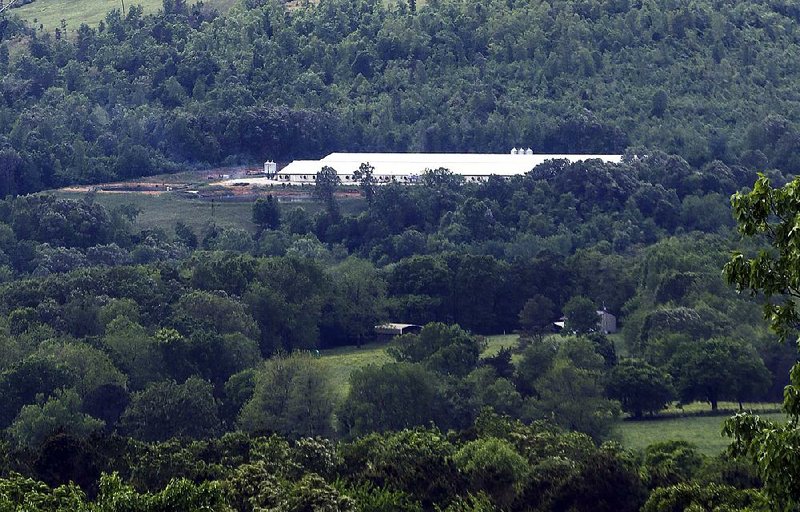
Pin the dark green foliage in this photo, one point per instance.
(20, 384)
(59, 413)
(312, 493)
(151, 94)
(393, 397)
(501, 363)
(60, 222)
(581, 315)
(771, 447)
(356, 304)
(566, 381)
(167, 409)
(681, 497)
(537, 359)
(639, 387)
(292, 396)
(670, 463)
(418, 462)
(286, 301)
(63, 458)
(95, 107)
(380, 499)
(719, 369)
(366, 180)
(596, 486)
(660, 103)
(605, 347)
(445, 349)
(538, 315)
(326, 181)
(266, 213)
(106, 402)
(203, 310)
(185, 235)
(238, 391)
(493, 466)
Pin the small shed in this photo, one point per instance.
(388, 331)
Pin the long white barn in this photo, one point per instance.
(408, 167)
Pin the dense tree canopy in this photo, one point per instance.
(144, 362)
(145, 93)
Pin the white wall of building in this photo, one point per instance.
(408, 167)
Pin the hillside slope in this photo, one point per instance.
(706, 80)
(48, 14)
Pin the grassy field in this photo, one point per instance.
(163, 211)
(49, 13)
(703, 431)
(495, 343)
(725, 407)
(342, 361)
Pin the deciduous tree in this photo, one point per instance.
(326, 181)
(168, 409)
(267, 213)
(292, 396)
(771, 214)
(639, 387)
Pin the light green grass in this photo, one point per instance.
(732, 407)
(342, 361)
(163, 211)
(496, 343)
(49, 13)
(704, 431)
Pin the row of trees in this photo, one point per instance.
(499, 464)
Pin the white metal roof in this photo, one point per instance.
(403, 164)
(391, 325)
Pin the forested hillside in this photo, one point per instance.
(187, 366)
(144, 94)
(146, 366)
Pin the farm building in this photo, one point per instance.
(390, 330)
(408, 167)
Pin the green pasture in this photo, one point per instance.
(500, 341)
(689, 423)
(342, 361)
(164, 210)
(703, 431)
(49, 13)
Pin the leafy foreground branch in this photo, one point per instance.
(774, 215)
